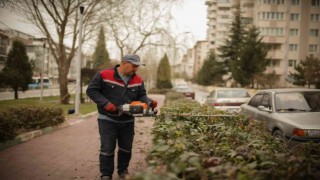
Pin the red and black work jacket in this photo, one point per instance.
(107, 86)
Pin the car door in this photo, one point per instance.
(250, 110)
(266, 103)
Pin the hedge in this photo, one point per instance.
(193, 141)
(22, 119)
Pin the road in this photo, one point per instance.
(54, 91)
(200, 95)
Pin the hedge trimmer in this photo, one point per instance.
(137, 109)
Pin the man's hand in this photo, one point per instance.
(110, 107)
(154, 104)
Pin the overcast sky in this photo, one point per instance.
(191, 16)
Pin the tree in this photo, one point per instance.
(252, 58)
(307, 73)
(211, 71)
(230, 51)
(17, 72)
(59, 22)
(101, 56)
(164, 74)
(137, 24)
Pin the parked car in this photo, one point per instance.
(290, 114)
(228, 99)
(185, 90)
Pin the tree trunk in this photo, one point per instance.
(63, 81)
(16, 94)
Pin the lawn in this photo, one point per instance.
(50, 101)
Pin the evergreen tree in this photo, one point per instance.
(211, 71)
(252, 58)
(101, 58)
(230, 51)
(17, 72)
(164, 74)
(307, 73)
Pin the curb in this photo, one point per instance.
(33, 134)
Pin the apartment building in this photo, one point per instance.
(37, 51)
(200, 54)
(289, 27)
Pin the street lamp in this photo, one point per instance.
(77, 100)
(42, 70)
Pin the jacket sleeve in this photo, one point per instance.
(94, 91)
(142, 96)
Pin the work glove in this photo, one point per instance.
(110, 107)
(154, 104)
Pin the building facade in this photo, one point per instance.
(200, 54)
(290, 28)
(38, 52)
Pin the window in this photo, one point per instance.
(293, 47)
(292, 63)
(314, 32)
(224, 16)
(271, 1)
(313, 48)
(255, 102)
(295, 2)
(294, 32)
(271, 15)
(274, 63)
(315, 2)
(271, 31)
(273, 46)
(315, 17)
(294, 17)
(266, 101)
(223, 1)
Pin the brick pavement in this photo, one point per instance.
(71, 152)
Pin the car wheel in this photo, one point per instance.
(277, 134)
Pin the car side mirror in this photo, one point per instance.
(265, 109)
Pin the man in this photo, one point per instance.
(109, 89)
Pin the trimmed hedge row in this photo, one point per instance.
(194, 142)
(18, 120)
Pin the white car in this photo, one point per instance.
(228, 99)
(290, 114)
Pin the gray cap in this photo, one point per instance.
(132, 58)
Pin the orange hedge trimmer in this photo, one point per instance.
(137, 109)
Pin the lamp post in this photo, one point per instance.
(77, 100)
(42, 70)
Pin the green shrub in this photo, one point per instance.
(8, 126)
(22, 119)
(193, 141)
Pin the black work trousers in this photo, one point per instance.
(110, 134)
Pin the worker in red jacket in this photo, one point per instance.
(109, 89)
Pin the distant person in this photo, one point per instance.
(108, 89)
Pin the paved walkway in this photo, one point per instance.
(71, 152)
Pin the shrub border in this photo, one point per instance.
(33, 134)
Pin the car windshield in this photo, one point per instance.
(298, 101)
(232, 94)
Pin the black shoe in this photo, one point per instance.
(106, 177)
(123, 174)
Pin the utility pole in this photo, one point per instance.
(42, 70)
(77, 100)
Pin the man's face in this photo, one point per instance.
(129, 68)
